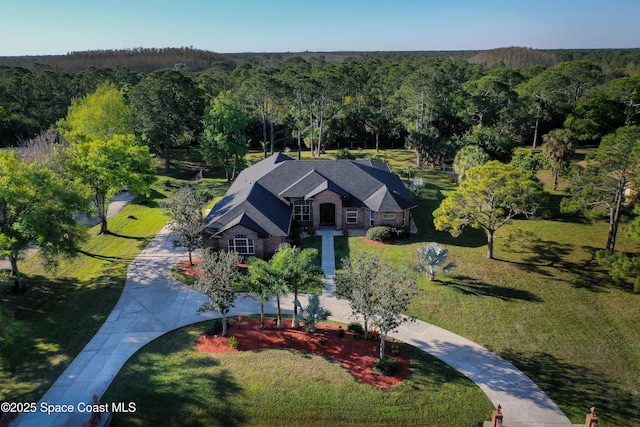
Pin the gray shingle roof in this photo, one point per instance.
(258, 198)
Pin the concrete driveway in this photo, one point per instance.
(153, 303)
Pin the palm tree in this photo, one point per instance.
(558, 148)
(431, 259)
(468, 157)
(313, 313)
(259, 283)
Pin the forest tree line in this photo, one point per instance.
(434, 104)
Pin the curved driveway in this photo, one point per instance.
(153, 303)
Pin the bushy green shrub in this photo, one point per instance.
(234, 343)
(375, 158)
(384, 233)
(214, 327)
(380, 233)
(344, 154)
(387, 367)
(401, 232)
(355, 328)
(407, 172)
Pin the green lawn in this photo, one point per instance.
(544, 304)
(174, 384)
(63, 308)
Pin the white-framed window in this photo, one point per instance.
(389, 216)
(301, 210)
(241, 245)
(372, 218)
(352, 216)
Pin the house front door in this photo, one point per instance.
(327, 214)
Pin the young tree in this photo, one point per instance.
(185, 209)
(223, 142)
(38, 207)
(355, 283)
(105, 167)
(557, 150)
(432, 258)
(393, 290)
(489, 198)
(599, 188)
(216, 279)
(296, 269)
(376, 291)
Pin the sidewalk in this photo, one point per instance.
(153, 303)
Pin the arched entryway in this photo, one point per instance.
(327, 214)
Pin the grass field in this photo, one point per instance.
(174, 384)
(63, 308)
(543, 304)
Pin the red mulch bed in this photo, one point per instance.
(376, 243)
(191, 270)
(357, 355)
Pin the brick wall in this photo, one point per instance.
(362, 220)
(327, 197)
(263, 248)
(379, 219)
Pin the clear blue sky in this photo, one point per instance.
(36, 27)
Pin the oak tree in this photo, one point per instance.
(106, 166)
(38, 208)
(223, 142)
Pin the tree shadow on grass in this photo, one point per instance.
(151, 201)
(576, 388)
(553, 260)
(433, 372)
(61, 316)
(470, 286)
(423, 217)
(122, 236)
(107, 257)
(165, 397)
